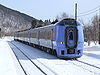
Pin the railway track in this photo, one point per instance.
(19, 62)
(32, 61)
(87, 66)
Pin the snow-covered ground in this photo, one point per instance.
(8, 62)
(50, 64)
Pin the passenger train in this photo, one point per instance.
(64, 39)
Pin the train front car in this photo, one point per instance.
(69, 39)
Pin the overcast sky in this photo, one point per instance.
(49, 9)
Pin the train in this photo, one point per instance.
(63, 39)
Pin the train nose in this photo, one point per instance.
(71, 37)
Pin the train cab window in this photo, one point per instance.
(70, 35)
(68, 22)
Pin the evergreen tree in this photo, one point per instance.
(34, 23)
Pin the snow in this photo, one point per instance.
(27, 65)
(8, 63)
(55, 65)
(50, 64)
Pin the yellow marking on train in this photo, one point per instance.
(51, 34)
(79, 42)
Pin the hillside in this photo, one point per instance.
(12, 20)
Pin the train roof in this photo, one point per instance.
(45, 26)
(69, 21)
(56, 22)
(37, 27)
(22, 30)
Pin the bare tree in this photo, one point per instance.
(91, 30)
(62, 16)
(95, 23)
(58, 17)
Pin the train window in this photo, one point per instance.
(70, 22)
(71, 35)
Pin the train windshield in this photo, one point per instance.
(69, 22)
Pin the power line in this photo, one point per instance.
(89, 13)
(90, 10)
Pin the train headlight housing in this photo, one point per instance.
(78, 52)
(61, 42)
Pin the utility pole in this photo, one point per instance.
(75, 11)
(99, 26)
(0, 32)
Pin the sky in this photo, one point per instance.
(49, 9)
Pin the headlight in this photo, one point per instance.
(61, 42)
